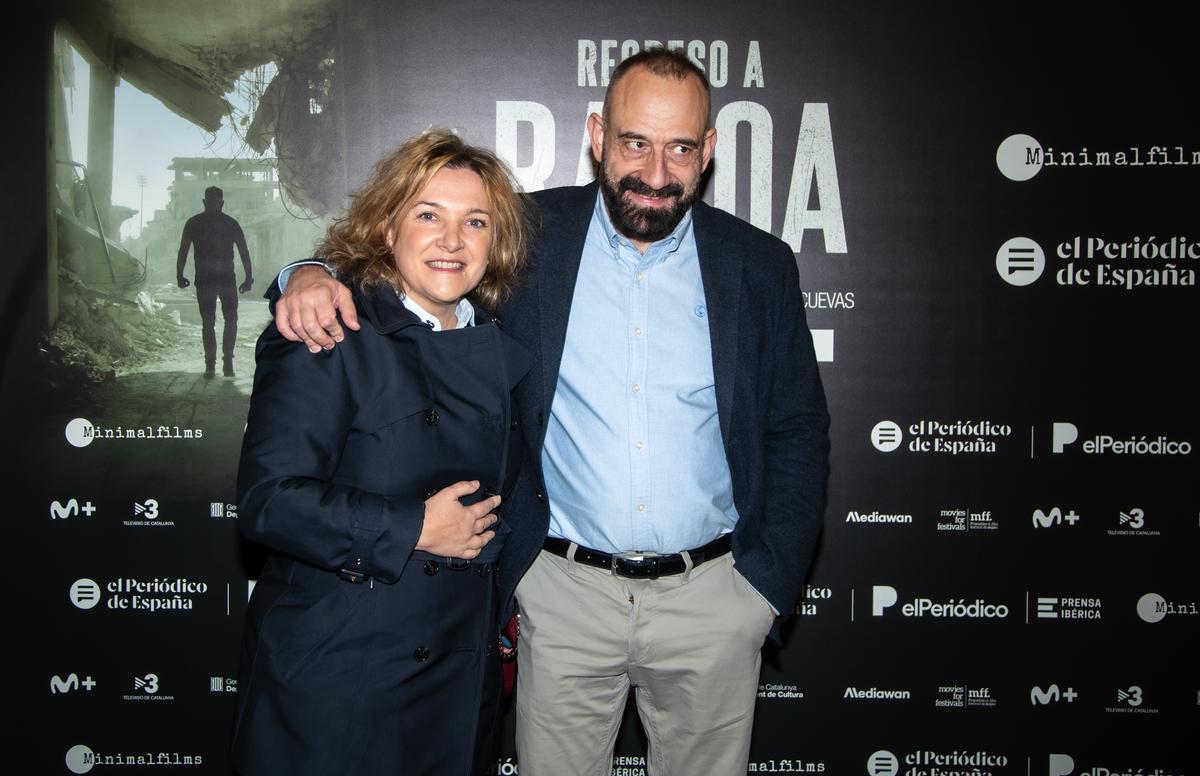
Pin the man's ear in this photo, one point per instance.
(595, 129)
(710, 145)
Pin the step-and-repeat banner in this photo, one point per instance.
(994, 214)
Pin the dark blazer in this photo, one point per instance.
(385, 672)
(770, 403)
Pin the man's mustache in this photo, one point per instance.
(638, 186)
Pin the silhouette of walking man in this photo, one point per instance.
(214, 234)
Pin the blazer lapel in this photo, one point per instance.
(721, 272)
(559, 250)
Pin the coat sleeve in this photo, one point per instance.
(300, 416)
(796, 443)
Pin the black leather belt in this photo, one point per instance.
(640, 565)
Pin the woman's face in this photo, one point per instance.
(441, 243)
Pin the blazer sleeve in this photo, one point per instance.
(796, 443)
(301, 413)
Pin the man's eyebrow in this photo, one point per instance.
(686, 141)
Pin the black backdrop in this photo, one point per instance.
(981, 603)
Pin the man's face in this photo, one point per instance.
(652, 151)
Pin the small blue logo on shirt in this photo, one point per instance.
(700, 311)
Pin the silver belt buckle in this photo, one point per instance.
(631, 558)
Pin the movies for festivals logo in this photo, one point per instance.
(81, 432)
(963, 520)
(1071, 607)
(961, 696)
(82, 758)
(161, 594)
(1097, 262)
(1064, 437)
(813, 600)
(935, 437)
(884, 597)
(1064, 765)
(1153, 608)
(933, 763)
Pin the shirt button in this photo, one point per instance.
(639, 445)
(638, 331)
(637, 388)
(640, 277)
(641, 507)
(421, 654)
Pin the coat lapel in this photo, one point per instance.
(721, 272)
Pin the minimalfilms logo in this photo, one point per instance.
(1019, 157)
(886, 436)
(81, 432)
(85, 593)
(81, 759)
(883, 763)
(1153, 607)
(1020, 261)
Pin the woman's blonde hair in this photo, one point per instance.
(355, 245)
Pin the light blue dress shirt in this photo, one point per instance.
(633, 456)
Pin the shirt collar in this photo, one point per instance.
(465, 312)
(656, 251)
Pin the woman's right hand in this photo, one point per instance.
(453, 530)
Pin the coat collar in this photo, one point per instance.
(383, 309)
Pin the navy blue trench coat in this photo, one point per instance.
(362, 655)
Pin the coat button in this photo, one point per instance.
(430, 567)
(421, 654)
(514, 423)
(499, 323)
(432, 418)
(540, 496)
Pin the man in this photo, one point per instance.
(214, 234)
(674, 411)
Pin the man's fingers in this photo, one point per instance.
(283, 322)
(329, 324)
(314, 332)
(486, 537)
(344, 303)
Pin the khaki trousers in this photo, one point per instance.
(689, 643)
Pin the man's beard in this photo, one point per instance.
(644, 224)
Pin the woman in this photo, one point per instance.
(370, 644)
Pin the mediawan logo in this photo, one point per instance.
(876, 694)
(1064, 765)
(1152, 608)
(1021, 157)
(960, 437)
(81, 758)
(81, 432)
(931, 763)
(780, 692)
(884, 597)
(877, 517)
(155, 595)
(1064, 435)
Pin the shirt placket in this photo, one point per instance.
(642, 531)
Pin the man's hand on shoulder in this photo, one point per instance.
(308, 310)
